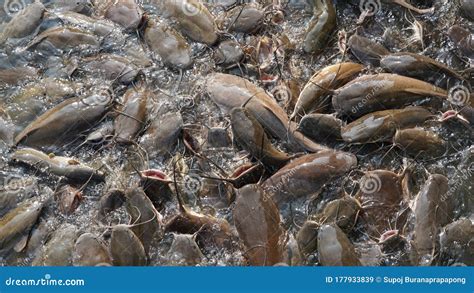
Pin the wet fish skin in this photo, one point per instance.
(366, 50)
(432, 211)
(169, 44)
(313, 97)
(321, 26)
(383, 200)
(334, 248)
(321, 127)
(62, 122)
(125, 248)
(24, 22)
(185, 251)
(417, 66)
(258, 223)
(194, 19)
(89, 251)
(133, 115)
(307, 174)
(230, 91)
(381, 91)
(249, 134)
(417, 141)
(58, 251)
(57, 165)
(16, 225)
(382, 125)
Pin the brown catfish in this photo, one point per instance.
(321, 26)
(66, 38)
(321, 127)
(306, 175)
(257, 220)
(58, 251)
(57, 165)
(16, 225)
(382, 125)
(383, 201)
(111, 67)
(184, 251)
(127, 13)
(249, 134)
(169, 44)
(381, 91)
(417, 141)
(246, 18)
(313, 97)
(89, 251)
(334, 248)
(24, 22)
(145, 218)
(17, 75)
(194, 19)
(417, 66)
(366, 50)
(161, 137)
(209, 230)
(457, 245)
(307, 237)
(432, 211)
(125, 248)
(132, 116)
(63, 122)
(230, 91)
(343, 212)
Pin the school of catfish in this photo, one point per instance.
(225, 132)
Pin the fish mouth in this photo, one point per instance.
(388, 235)
(155, 174)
